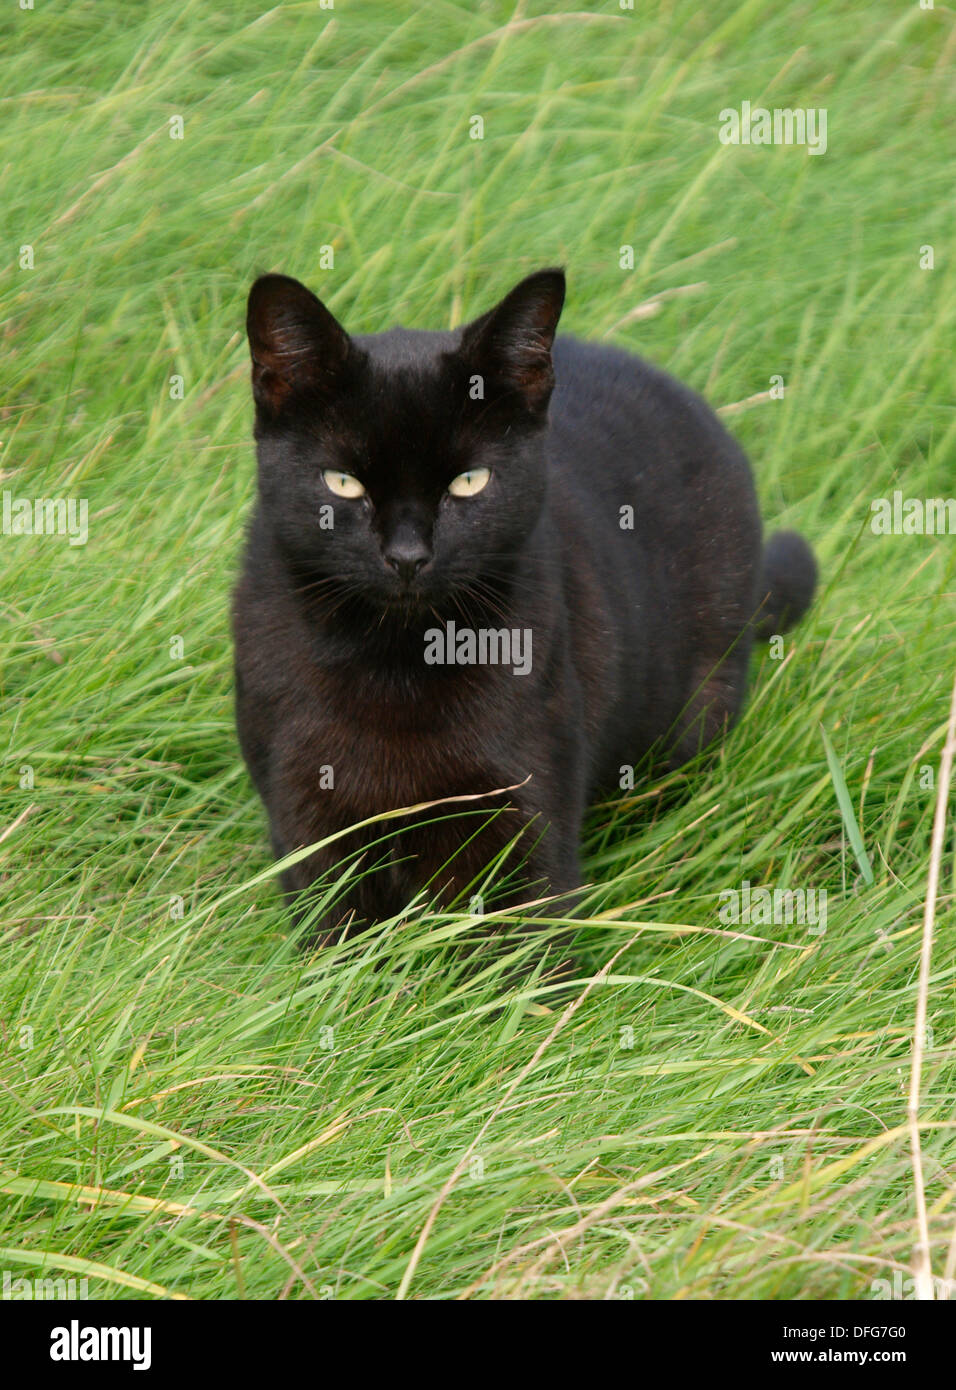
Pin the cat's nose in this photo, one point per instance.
(407, 557)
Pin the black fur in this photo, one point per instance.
(641, 621)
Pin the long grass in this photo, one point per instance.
(190, 1106)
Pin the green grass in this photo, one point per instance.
(723, 1113)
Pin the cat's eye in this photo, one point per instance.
(470, 483)
(342, 484)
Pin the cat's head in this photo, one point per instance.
(402, 470)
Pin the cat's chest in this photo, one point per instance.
(393, 742)
(407, 697)
(419, 716)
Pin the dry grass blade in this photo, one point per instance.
(922, 1269)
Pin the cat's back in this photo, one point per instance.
(597, 385)
(615, 418)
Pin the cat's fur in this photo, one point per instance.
(640, 637)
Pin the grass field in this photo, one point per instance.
(189, 1105)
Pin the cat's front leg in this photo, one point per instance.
(545, 862)
(368, 896)
(554, 873)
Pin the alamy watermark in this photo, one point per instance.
(483, 646)
(774, 907)
(76, 1343)
(899, 1289)
(755, 125)
(913, 516)
(13, 1288)
(44, 516)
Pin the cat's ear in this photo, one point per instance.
(510, 346)
(296, 344)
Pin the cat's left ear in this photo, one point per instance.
(510, 346)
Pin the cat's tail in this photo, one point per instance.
(786, 588)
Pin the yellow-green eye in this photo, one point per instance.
(470, 483)
(342, 484)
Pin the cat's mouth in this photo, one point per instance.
(408, 591)
(410, 605)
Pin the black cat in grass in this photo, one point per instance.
(482, 558)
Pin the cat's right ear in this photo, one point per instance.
(296, 344)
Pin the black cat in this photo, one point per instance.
(483, 558)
